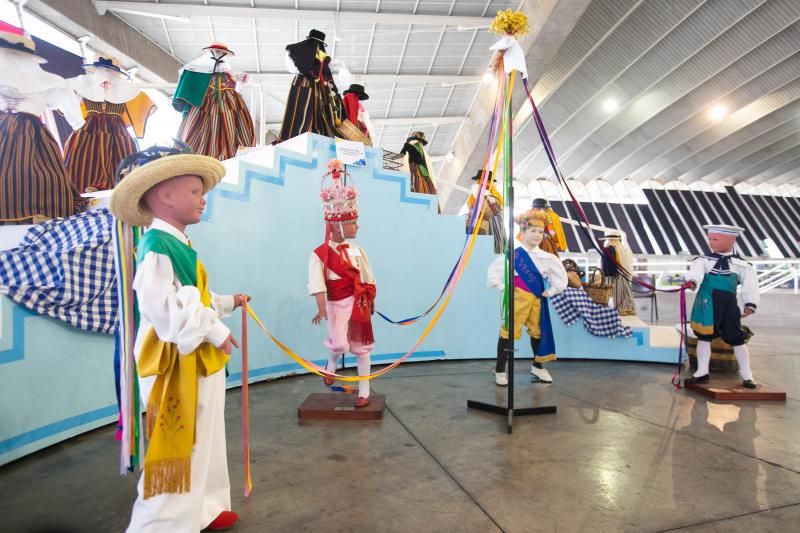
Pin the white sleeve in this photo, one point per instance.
(223, 304)
(316, 275)
(697, 271)
(556, 275)
(365, 268)
(495, 277)
(67, 101)
(749, 281)
(289, 64)
(177, 314)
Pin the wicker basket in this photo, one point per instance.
(352, 133)
(598, 290)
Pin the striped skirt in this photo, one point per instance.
(419, 182)
(309, 109)
(219, 126)
(33, 180)
(623, 295)
(93, 152)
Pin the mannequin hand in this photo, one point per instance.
(239, 299)
(243, 77)
(545, 294)
(226, 345)
(747, 312)
(319, 317)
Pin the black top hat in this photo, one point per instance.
(479, 175)
(417, 136)
(316, 34)
(357, 89)
(540, 203)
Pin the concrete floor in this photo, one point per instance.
(625, 452)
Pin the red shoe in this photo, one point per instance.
(362, 401)
(328, 381)
(225, 520)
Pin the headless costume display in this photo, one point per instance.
(110, 104)
(419, 164)
(33, 179)
(355, 113)
(715, 312)
(554, 239)
(622, 293)
(185, 486)
(312, 105)
(492, 221)
(342, 271)
(216, 121)
(532, 267)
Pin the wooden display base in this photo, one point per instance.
(732, 389)
(340, 406)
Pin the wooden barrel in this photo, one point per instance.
(723, 361)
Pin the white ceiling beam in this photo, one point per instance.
(387, 79)
(193, 10)
(404, 121)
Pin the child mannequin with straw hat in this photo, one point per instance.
(181, 345)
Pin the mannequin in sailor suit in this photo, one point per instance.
(715, 312)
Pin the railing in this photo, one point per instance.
(669, 271)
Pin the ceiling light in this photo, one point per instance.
(718, 112)
(610, 105)
(139, 13)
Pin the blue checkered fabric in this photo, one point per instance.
(64, 268)
(598, 320)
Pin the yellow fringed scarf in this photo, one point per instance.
(172, 406)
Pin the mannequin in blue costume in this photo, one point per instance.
(715, 312)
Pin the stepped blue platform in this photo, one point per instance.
(260, 226)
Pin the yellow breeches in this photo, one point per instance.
(527, 312)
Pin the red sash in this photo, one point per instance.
(350, 284)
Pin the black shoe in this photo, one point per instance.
(692, 380)
(749, 384)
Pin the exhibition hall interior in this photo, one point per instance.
(399, 265)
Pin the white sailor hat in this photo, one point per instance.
(724, 229)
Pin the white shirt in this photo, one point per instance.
(748, 278)
(104, 85)
(549, 266)
(175, 311)
(316, 270)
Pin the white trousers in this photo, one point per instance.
(339, 313)
(210, 492)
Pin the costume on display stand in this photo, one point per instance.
(310, 106)
(492, 222)
(419, 165)
(340, 278)
(356, 114)
(715, 312)
(618, 254)
(181, 345)
(34, 185)
(111, 103)
(216, 121)
(554, 239)
(532, 267)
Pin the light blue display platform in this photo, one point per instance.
(260, 227)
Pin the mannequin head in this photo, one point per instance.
(532, 236)
(341, 231)
(721, 243)
(179, 200)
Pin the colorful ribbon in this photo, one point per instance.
(248, 481)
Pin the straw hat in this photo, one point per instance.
(126, 200)
(611, 234)
(109, 63)
(21, 42)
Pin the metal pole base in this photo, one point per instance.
(503, 410)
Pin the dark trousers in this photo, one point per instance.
(503, 346)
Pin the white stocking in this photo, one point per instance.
(743, 358)
(363, 370)
(333, 360)
(703, 358)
